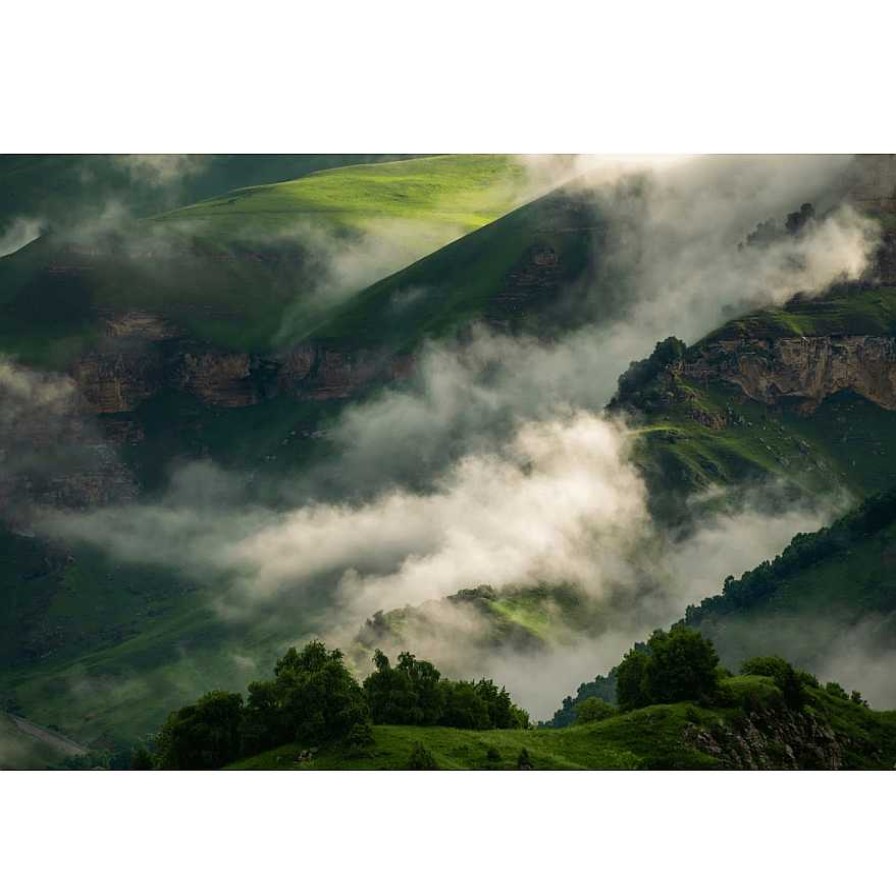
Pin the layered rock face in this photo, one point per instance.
(807, 369)
(141, 356)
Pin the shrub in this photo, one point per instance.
(593, 709)
(421, 759)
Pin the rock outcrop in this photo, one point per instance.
(771, 739)
(801, 368)
(141, 355)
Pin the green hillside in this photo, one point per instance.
(801, 605)
(466, 191)
(60, 190)
(656, 737)
(532, 265)
(236, 270)
(697, 433)
(678, 709)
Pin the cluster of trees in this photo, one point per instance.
(768, 232)
(414, 693)
(641, 373)
(677, 666)
(314, 699)
(673, 666)
(757, 585)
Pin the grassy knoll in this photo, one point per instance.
(656, 737)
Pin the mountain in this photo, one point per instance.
(236, 328)
(827, 604)
(234, 272)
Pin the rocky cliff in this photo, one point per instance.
(771, 739)
(804, 369)
(141, 355)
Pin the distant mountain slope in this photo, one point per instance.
(829, 594)
(59, 190)
(232, 271)
(535, 263)
(799, 393)
(827, 604)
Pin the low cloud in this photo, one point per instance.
(495, 464)
(19, 234)
(558, 494)
(51, 452)
(861, 657)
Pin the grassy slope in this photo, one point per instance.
(466, 191)
(818, 451)
(853, 310)
(21, 751)
(61, 188)
(233, 270)
(474, 276)
(807, 613)
(649, 738)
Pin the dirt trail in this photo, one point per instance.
(57, 741)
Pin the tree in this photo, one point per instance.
(414, 693)
(593, 709)
(464, 707)
(421, 759)
(783, 674)
(409, 694)
(671, 667)
(836, 690)
(681, 666)
(630, 680)
(315, 698)
(203, 735)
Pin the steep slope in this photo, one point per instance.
(536, 264)
(828, 602)
(796, 393)
(229, 271)
(802, 397)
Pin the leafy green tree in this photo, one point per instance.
(593, 709)
(315, 698)
(408, 694)
(414, 693)
(263, 724)
(502, 713)
(673, 666)
(203, 735)
(464, 707)
(630, 680)
(681, 666)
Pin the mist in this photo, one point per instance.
(19, 234)
(496, 465)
